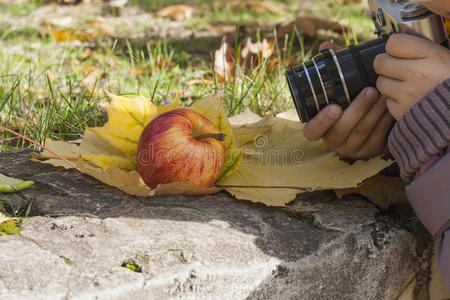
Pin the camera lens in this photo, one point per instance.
(333, 77)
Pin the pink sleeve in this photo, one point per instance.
(419, 143)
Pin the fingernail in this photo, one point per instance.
(371, 93)
(334, 111)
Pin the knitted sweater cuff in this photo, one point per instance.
(422, 132)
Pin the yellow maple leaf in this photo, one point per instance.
(127, 118)
(281, 163)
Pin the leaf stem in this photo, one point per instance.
(39, 145)
(46, 156)
(264, 187)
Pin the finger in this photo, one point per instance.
(363, 130)
(376, 143)
(389, 87)
(388, 66)
(316, 128)
(408, 46)
(337, 135)
(329, 45)
(395, 108)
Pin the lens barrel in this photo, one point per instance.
(333, 77)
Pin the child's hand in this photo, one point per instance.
(409, 70)
(360, 131)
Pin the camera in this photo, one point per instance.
(338, 77)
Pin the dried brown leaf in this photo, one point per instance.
(258, 7)
(254, 54)
(162, 63)
(138, 70)
(88, 31)
(381, 190)
(91, 79)
(178, 12)
(224, 62)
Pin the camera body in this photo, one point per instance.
(395, 16)
(338, 77)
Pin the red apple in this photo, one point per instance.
(180, 145)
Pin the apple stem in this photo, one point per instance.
(217, 136)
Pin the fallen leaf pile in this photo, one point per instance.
(267, 159)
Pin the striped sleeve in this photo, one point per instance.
(422, 132)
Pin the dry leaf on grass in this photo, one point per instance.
(88, 31)
(224, 62)
(381, 190)
(91, 79)
(258, 7)
(162, 63)
(310, 25)
(253, 54)
(138, 70)
(178, 12)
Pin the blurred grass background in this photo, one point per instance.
(56, 59)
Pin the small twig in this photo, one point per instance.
(39, 145)
(264, 187)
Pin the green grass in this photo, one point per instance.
(43, 95)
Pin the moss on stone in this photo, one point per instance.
(302, 217)
(9, 227)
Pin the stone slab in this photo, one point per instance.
(83, 234)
